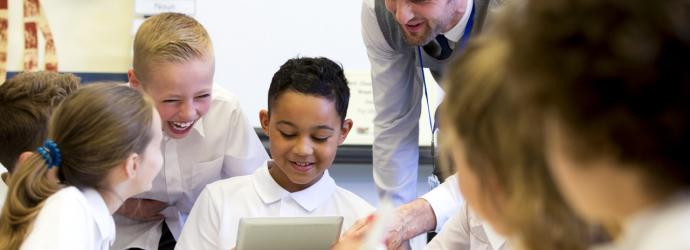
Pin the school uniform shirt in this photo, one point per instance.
(215, 218)
(72, 219)
(3, 187)
(466, 231)
(221, 144)
(665, 227)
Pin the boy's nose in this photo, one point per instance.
(303, 148)
(187, 111)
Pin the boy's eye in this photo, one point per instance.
(286, 135)
(169, 101)
(321, 139)
(204, 96)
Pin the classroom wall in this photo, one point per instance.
(251, 39)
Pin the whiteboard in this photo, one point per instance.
(253, 38)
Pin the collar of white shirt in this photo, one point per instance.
(101, 214)
(199, 127)
(494, 238)
(2, 168)
(309, 198)
(662, 226)
(456, 33)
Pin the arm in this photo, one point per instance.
(419, 216)
(202, 226)
(445, 200)
(410, 220)
(142, 209)
(397, 93)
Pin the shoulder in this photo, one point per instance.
(670, 228)
(225, 108)
(63, 222)
(224, 99)
(68, 197)
(229, 188)
(223, 95)
(358, 204)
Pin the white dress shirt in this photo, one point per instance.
(72, 220)
(222, 144)
(445, 200)
(398, 89)
(665, 227)
(214, 220)
(466, 231)
(3, 187)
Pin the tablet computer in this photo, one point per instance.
(288, 232)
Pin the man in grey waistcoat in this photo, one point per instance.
(401, 37)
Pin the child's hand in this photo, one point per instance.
(142, 209)
(349, 241)
(394, 235)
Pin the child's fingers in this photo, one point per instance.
(359, 225)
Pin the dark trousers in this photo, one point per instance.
(167, 241)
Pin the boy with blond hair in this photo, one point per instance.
(26, 103)
(207, 137)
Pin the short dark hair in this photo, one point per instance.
(26, 103)
(312, 76)
(615, 74)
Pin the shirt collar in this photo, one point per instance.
(199, 127)
(104, 220)
(494, 238)
(456, 33)
(645, 222)
(310, 198)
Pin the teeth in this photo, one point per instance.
(302, 164)
(181, 125)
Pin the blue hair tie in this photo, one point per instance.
(50, 153)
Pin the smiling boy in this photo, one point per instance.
(305, 123)
(207, 137)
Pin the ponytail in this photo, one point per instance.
(29, 186)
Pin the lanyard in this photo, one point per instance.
(432, 124)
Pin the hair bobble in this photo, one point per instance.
(50, 153)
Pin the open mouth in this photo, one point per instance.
(414, 27)
(302, 166)
(180, 127)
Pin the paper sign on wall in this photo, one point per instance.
(152, 7)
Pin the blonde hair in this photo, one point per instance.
(502, 150)
(96, 128)
(26, 102)
(169, 38)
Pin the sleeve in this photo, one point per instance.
(445, 200)
(454, 236)
(201, 230)
(397, 90)
(244, 152)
